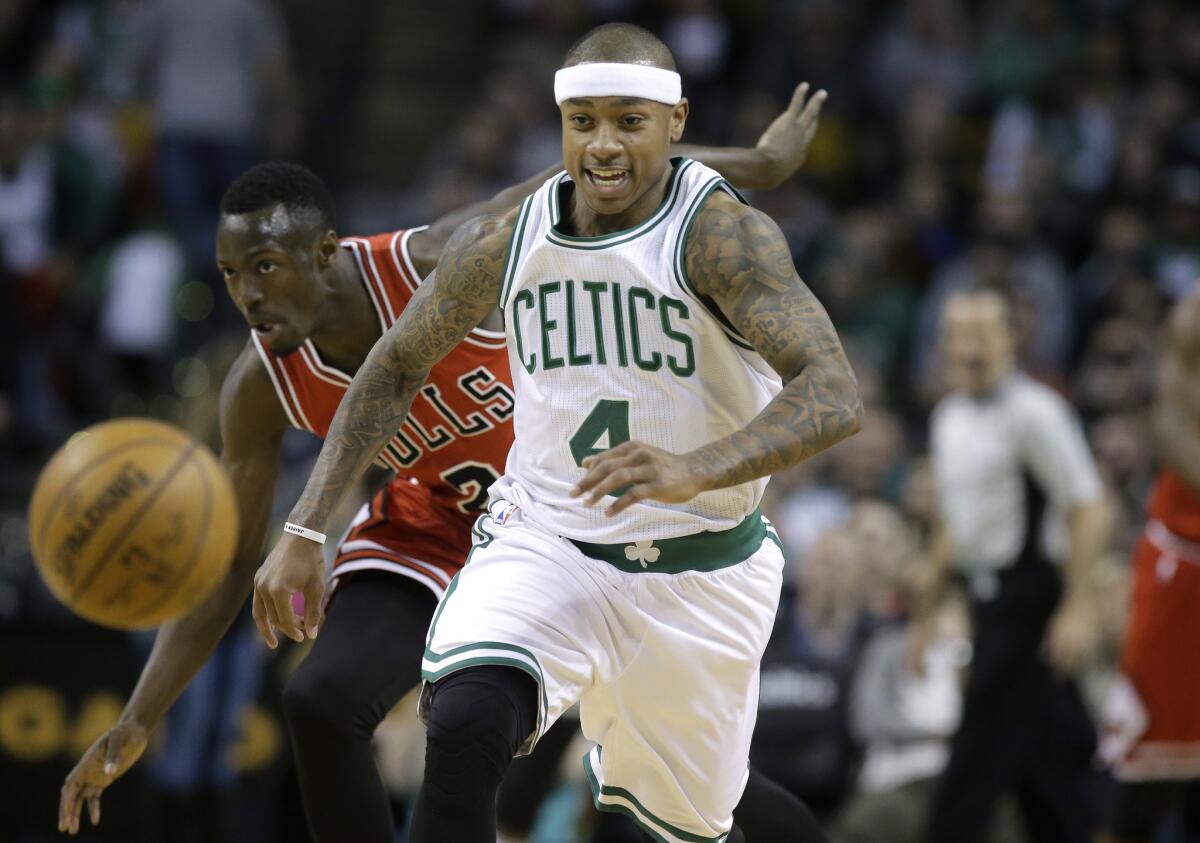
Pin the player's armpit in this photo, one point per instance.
(463, 290)
(737, 259)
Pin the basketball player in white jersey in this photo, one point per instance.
(666, 360)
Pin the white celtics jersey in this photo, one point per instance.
(607, 343)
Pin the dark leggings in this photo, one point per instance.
(367, 656)
(477, 720)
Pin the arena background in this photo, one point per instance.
(1049, 149)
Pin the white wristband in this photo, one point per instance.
(304, 532)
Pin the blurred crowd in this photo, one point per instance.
(1049, 149)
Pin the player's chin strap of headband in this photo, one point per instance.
(603, 79)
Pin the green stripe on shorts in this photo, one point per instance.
(647, 821)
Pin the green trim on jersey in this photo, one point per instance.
(616, 238)
(705, 551)
(689, 219)
(653, 826)
(514, 248)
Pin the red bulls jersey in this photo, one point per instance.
(1176, 505)
(459, 429)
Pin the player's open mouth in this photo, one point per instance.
(607, 179)
(264, 327)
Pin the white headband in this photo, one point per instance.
(617, 80)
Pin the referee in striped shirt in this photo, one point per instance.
(1023, 517)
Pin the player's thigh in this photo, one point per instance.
(367, 655)
(524, 601)
(674, 729)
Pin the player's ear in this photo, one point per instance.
(678, 119)
(327, 248)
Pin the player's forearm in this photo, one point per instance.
(815, 410)
(1090, 528)
(183, 646)
(373, 409)
(446, 307)
(743, 167)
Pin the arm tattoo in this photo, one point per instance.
(452, 301)
(738, 259)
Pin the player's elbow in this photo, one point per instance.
(847, 400)
(858, 414)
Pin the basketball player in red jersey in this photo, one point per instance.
(1152, 734)
(316, 304)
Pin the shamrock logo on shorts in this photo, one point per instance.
(642, 551)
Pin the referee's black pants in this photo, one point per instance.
(1024, 729)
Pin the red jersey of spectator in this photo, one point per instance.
(451, 448)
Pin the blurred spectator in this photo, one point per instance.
(904, 719)
(1121, 442)
(1003, 259)
(926, 43)
(1025, 41)
(218, 77)
(1178, 254)
(1117, 369)
(802, 740)
(889, 548)
(872, 464)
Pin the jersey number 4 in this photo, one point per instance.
(606, 426)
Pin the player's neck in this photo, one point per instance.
(586, 222)
(351, 326)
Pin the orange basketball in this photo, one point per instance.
(132, 523)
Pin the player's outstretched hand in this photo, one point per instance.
(638, 472)
(785, 142)
(106, 760)
(294, 565)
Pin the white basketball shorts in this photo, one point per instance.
(659, 642)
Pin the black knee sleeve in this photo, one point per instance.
(478, 718)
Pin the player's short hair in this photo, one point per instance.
(295, 187)
(620, 43)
